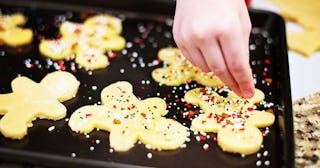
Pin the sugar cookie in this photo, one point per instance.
(10, 32)
(30, 100)
(180, 70)
(307, 14)
(233, 118)
(305, 43)
(129, 119)
(88, 41)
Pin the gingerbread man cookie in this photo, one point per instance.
(88, 41)
(129, 119)
(180, 70)
(30, 100)
(233, 118)
(10, 32)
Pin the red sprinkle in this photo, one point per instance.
(19, 49)
(88, 115)
(112, 55)
(143, 115)
(202, 138)
(264, 73)
(215, 138)
(267, 61)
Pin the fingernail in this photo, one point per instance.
(248, 93)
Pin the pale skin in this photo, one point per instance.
(214, 35)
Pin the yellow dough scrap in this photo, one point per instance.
(307, 14)
(10, 32)
(129, 119)
(305, 43)
(30, 100)
(233, 118)
(88, 41)
(180, 70)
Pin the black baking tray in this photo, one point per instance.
(147, 26)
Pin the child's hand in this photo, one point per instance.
(214, 35)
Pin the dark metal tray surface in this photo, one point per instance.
(145, 35)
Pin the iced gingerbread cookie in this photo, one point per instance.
(129, 119)
(180, 70)
(88, 41)
(30, 100)
(10, 32)
(233, 118)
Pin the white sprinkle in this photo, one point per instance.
(2, 53)
(111, 150)
(94, 87)
(267, 162)
(205, 146)
(73, 155)
(91, 148)
(265, 153)
(243, 155)
(198, 138)
(129, 44)
(183, 146)
(149, 155)
(89, 72)
(258, 163)
(66, 119)
(135, 54)
(203, 133)
(148, 146)
(252, 47)
(121, 70)
(89, 97)
(134, 65)
(258, 155)
(124, 52)
(97, 141)
(87, 136)
(51, 128)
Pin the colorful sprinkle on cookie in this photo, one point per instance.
(129, 119)
(179, 70)
(233, 118)
(88, 41)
